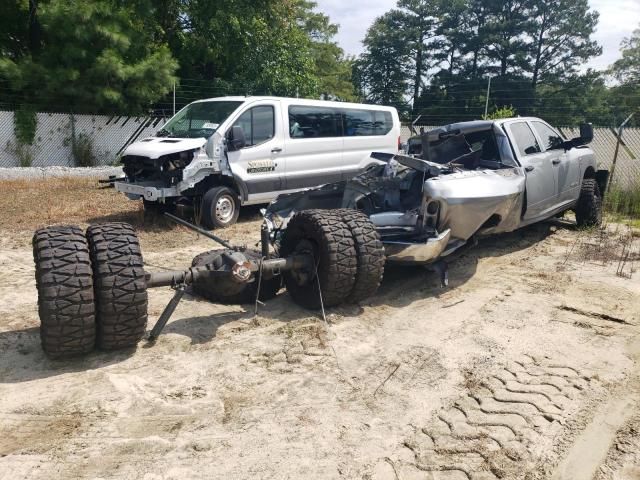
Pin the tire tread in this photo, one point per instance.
(120, 285)
(64, 281)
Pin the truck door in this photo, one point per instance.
(258, 164)
(566, 168)
(541, 182)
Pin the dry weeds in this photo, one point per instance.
(30, 204)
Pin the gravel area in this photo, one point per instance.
(38, 173)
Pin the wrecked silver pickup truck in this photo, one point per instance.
(461, 180)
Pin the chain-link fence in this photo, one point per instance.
(627, 172)
(104, 136)
(107, 136)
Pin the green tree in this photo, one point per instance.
(625, 97)
(332, 69)
(383, 72)
(507, 21)
(249, 46)
(561, 38)
(418, 20)
(88, 56)
(627, 69)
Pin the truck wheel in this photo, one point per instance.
(589, 207)
(323, 234)
(220, 207)
(65, 291)
(120, 285)
(218, 290)
(369, 253)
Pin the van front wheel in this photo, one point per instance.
(220, 207)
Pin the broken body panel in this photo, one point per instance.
(466, 181)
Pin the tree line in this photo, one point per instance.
(123, 56)
(432, 58)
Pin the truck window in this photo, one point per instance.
(524, 138)
(550, 138)
(258, 124)
(314, 122)
(366, 122)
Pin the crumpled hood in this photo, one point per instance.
(155, 147)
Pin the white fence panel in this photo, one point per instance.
(53, 139)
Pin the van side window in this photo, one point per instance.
(258, 124)
(366, 122)
(525, 140)
(314, 122)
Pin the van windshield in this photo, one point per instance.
(199, 119)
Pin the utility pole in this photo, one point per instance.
(486, 103)
(174, 98)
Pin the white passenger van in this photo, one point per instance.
(222, 153)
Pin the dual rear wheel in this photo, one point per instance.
(348, 253)
(348, 263)
(91, 288)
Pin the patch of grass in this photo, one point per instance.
(23, 152)
(26, 205)
(30, 204)
(623, 202)
(82, 151)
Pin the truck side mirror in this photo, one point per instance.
(586, 133)
(237, 139)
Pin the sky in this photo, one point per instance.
(618, 19)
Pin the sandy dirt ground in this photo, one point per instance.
(526, 367)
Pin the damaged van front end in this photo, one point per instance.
(159, 168)
(185, 151)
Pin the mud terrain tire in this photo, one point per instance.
(65, 291)
(120, 285)
(589, 207)
(212, 290)
(369, 253)
(329, 239)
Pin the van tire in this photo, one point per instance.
(323, 234)
(589, 206)
(216, 290)
(220, 208)
(369, 253)
(64, 281)
(120, 285)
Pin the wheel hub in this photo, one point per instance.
(225, 208)
(303, 276)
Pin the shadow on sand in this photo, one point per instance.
(22, 359)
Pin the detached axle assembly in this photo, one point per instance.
(92, 286)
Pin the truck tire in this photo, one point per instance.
(323, 234)
(220, 207)
(64, 281)
(369, 254)
(120, 285)
(228, 292)
(589, 206)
